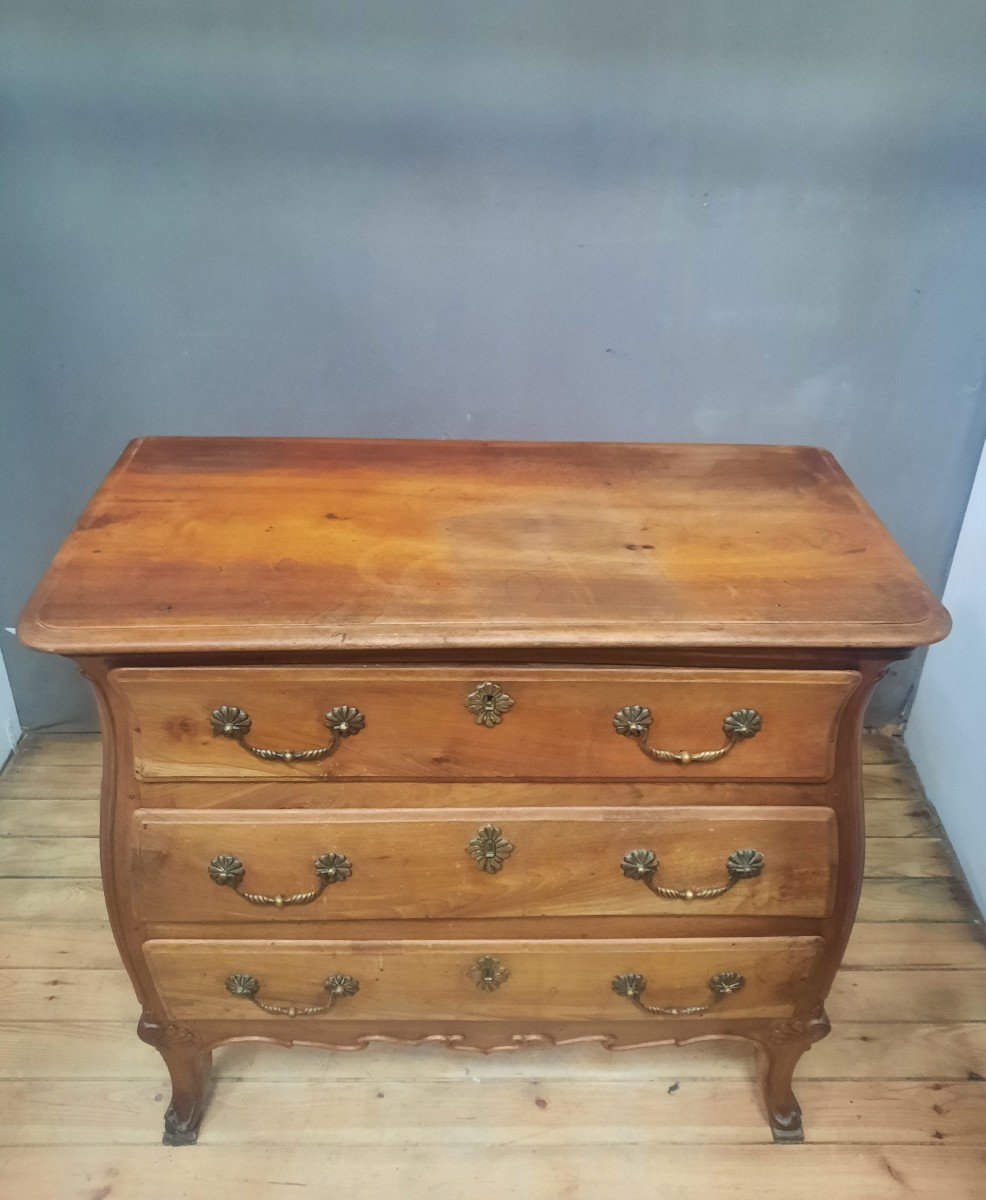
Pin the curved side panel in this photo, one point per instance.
(118, 800)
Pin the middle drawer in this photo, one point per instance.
(299, 865)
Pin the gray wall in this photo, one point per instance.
(737, 221)
(945, 728)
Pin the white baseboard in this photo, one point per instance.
(10, 729)
(9, 737)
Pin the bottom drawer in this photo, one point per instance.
(542, 980)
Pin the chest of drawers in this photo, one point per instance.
(481, 743)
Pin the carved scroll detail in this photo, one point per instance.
(164, 1035)
(810, 1028)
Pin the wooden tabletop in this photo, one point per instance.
(287, 545)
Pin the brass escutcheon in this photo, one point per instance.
(488, 703)
(487, 973)
(490, 849)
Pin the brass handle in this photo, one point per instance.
(342, 721)
(721, 986)
(227, 871)
(642, 865)
(634, 721)
(246, 987)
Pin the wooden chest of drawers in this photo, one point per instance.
(482, 743)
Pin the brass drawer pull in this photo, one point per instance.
(643, 864)
(490, 849)
(246, 987)
(342, 721)
(227, 871)
(634, 721)
(721, 986)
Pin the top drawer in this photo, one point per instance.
(546, 723)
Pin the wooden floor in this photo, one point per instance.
(894, 1099)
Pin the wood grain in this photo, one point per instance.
(916, 900)
(31, 857)
(574, 1113)
(876, 946)
(396, 578)
(35, 811)
(550, 980)
(66, 900)
(77, 1061)
(914, 858)
(357, 546)
(418, 726)
(873, 946)
(48, 751)
(417, 864)
(39, 943)
(85, 1049)
(872, 996)
(521, 1172)
(330, 794)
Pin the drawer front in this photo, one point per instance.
(471, 981)
(197, 866)
(415, 723)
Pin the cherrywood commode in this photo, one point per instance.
(484, 743)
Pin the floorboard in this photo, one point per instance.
(895, 1096)
(510, 1172)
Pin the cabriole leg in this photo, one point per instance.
(190, 1068)
(777, 1057)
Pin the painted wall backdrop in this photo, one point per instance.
(694, 221)
(945, 728)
